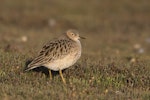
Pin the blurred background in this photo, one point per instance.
(117, 27)
(115, 61)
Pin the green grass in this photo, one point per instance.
(112, 67)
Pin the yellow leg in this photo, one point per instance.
(60, 72)
(50, 74)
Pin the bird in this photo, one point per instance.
(59, 53)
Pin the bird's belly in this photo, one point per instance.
(63, 63)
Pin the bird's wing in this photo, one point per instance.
(51, 51)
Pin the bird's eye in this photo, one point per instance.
(72, 34)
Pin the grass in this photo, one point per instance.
(115, 59)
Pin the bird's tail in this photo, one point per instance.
(30, 67)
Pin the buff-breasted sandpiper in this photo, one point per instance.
(59, 53)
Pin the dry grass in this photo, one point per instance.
(116, 54)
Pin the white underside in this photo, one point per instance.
(64, 63)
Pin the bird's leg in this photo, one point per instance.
(50, 74)
(60, 72)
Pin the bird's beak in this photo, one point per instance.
(82, 37)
